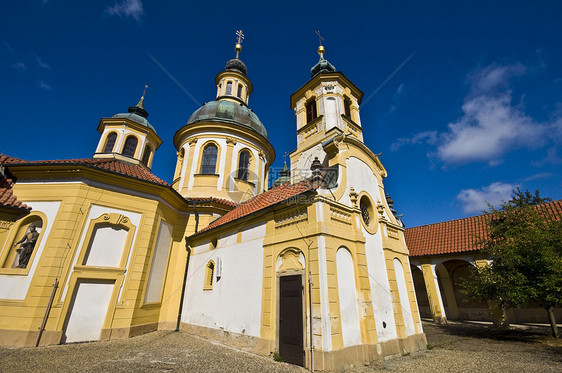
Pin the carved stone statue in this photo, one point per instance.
(27, 245)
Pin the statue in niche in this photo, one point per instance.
(27, 245)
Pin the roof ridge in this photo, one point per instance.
(477, 216)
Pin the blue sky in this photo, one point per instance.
(463, 99)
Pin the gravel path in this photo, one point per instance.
(454, 348)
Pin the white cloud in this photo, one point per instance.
(476, 200)
(489, 128)
(542, 175)
(126, 8)
(45, 86)
(42, 63)
(551, 158)
(428, 137)
(19, 66)
(8, 47)
(491, 125)
(494, 77)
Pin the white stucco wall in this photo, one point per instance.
(159, 263)
(16, 286)
(380, 288)
(88, 311)
(404, 298)
(234, 303)
(106, 247)
(349, 311)
(362, 179)
(325, 343)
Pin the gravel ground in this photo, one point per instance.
(453, 348)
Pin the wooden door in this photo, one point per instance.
(291, 346)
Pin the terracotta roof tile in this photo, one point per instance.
(112, 165)
(7, 198)
(456, 236)
(212, 199)
(266, 199)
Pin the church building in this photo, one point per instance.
(314, 268)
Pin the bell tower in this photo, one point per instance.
(325, 107)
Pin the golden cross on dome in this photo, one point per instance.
(240, 36)
(239, 39)
(320, 48)
(320, 38)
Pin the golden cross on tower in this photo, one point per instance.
(320, 38)
(239, 39)
(144, 92)
(321, 49)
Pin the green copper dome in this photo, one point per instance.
(137, 114)
(323, 66)
(228, 112)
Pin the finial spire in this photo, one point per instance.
(140, 104)
(321, 49)
(139, 107)
(239, 39)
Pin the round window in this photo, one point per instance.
(367, 214)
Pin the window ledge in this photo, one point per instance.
(245, 181)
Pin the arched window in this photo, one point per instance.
(209, 274)
(347, 107)
(229, 88)
(146, 155)
(130, 146)
(239, 94)
(244, 165)
(110, 142)
(209, 162)
(311, 110)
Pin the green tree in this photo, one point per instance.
(524, 241)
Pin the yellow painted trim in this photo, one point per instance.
(209, 279)
(108, 219)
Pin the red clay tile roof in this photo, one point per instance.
(7, 159)
(281, 193)
(7, 198)
(456, 236)
(112, 165)
(212, 199)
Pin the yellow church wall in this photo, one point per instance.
(76, 200)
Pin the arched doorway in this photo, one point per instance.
(458, 306)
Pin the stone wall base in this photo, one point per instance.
(359, 355)
(323, 360)
(241, 341)
(128, 332)
(27, 338)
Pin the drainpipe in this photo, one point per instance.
(188, 249)
(46, 315)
